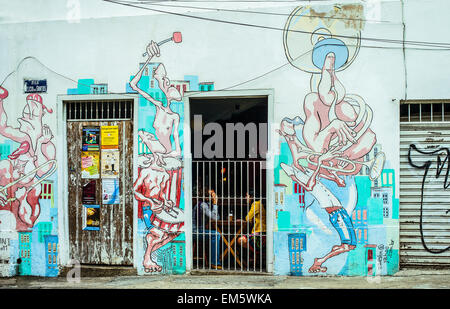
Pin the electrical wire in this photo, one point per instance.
(54, 72)
(244, 1)
(390, 41)
(223, 89)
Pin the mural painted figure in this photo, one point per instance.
(158, 185)
(30, 164)
(166, 122)
(335, 133)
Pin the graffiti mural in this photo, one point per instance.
(158, 187)
(28, 214)
(30, 164)
(440, 159)
(329, 146)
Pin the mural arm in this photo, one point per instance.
(330, 154)
(45, 150)
(155, 205)
(6, 130)
(176, 138)
(330, 88)
(152, 50)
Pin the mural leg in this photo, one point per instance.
(341, 221)
(156, 238)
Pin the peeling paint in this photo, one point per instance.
(351, 15)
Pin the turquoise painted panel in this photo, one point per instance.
(284, 220)
(84, 86)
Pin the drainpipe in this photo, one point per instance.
(404, 49)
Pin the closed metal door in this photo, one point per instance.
(424, 192)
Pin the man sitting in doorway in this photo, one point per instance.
(257, 216)
(204, 211)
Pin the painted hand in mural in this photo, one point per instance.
(328, 154)
(153, 50)
(46, 136)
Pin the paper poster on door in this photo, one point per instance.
(110, 137)
(90, 161)
(88, 194)
(110, 191)
(91, 217)
(91, 138)
(110, 163)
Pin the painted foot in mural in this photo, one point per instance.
(150, 266)
(317, 267)
(335, 250)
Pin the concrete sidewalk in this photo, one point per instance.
(404, 279)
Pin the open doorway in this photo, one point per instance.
(229, 144)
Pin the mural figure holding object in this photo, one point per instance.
(164, 219)
(308, 177)
(166, 122)
(335, 132)
(158, 185)
(30, 164)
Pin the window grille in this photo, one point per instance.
(423, 111)
(230, 180)
(99, 110)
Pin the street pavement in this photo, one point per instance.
(404, 279)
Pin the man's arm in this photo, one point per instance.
(211, 214)
(152, 50)
(251, 213)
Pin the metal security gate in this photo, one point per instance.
(231, 236)
(424, 192)
(100, 181)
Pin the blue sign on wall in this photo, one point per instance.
(34, 85)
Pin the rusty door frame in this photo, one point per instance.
(62, 187)
(271, 152)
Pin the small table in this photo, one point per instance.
(226, 226)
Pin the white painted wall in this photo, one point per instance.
(106, 42)
(427, 21)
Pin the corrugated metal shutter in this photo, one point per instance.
(429, 247)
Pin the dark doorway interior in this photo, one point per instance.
(231, 173)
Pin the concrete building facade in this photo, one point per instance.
(334, 74)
